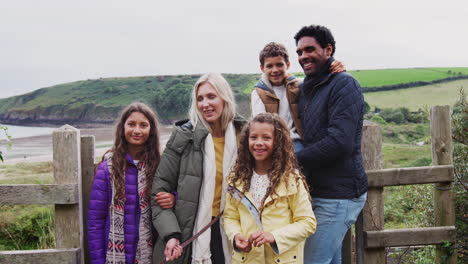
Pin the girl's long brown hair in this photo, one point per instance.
(283, 163)
(150, 155)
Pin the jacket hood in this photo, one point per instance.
(186, 132)
(198, 133)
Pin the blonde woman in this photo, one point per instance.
(195, 165)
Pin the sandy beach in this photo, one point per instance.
(39, 148)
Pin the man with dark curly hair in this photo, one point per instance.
(331, 107)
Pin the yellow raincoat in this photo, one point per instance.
(287, 215)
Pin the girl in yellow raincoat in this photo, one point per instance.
(272, 226)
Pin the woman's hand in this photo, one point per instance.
(165, 200)
(173, 249)
(337, 66)
(259, 238)
(242, 243)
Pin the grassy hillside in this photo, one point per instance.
(109, 91)
(100, 100)
(388, 77)
(418, 97)
(375, 78)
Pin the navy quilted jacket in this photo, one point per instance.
(332, 115)
(99, 218)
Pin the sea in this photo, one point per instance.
(33, 144)
(25, 131)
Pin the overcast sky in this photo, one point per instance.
(49, 42)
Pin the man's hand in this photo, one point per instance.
(259, 238)
(173, 249)
(242, 243)
(165, 200)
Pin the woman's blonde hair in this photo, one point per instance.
(224, 90)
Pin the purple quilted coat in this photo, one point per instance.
(99, 213)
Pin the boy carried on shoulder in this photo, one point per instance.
(277, 91)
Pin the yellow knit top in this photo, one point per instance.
(219, 155)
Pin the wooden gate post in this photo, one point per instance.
(87, 176)
(372, 216)
(347, 248)
(67, 170)
(442, 151)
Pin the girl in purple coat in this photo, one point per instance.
(119, 218)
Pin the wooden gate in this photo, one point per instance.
(371, 238)
(73, 162)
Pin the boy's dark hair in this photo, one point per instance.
(322, 34)
(273, 49)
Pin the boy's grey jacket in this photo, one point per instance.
(181, 171)
(331, 110)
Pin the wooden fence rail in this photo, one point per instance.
(42, 256)
(409, 236)
(39, 194)
(410, 176)
(74, 171)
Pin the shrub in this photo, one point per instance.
(403, 115)
(173, 101)
(34, 229)
(366, 107)
(409, 206)
(405, 112)
(8, 137)
(460, 162)
(420, 116)
(378, 119)
(393, 115)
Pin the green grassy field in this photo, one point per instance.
(406, 155)
(381, 77)
(372, 78)
(418, 97)
(27, 173)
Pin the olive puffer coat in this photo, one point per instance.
(181, 171)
